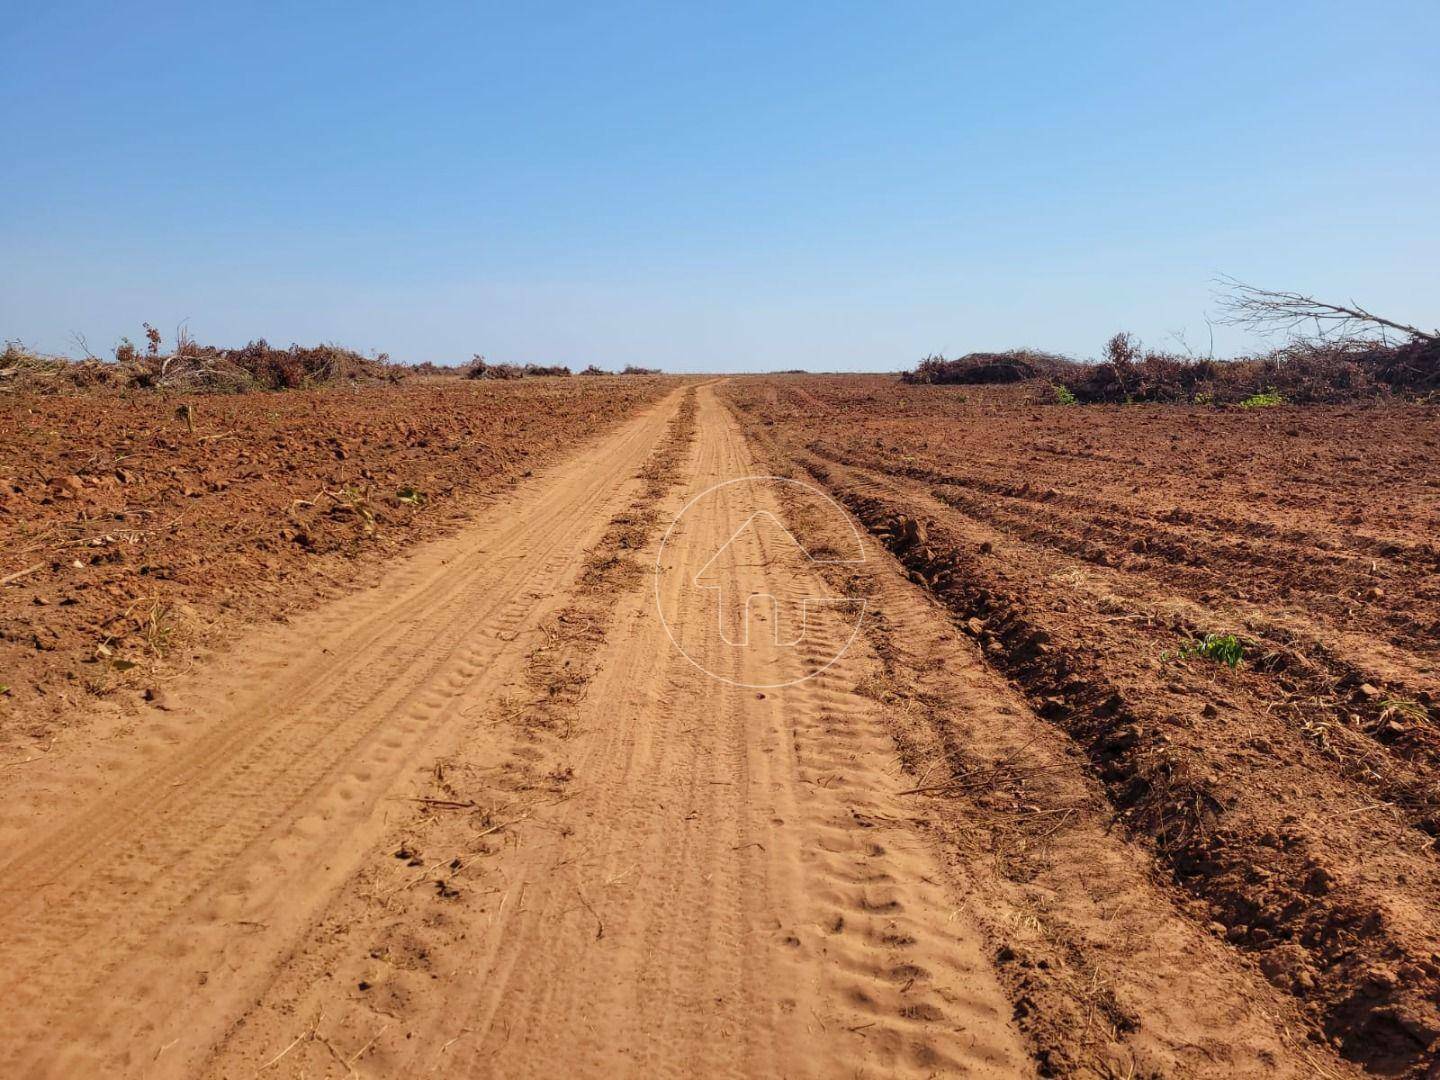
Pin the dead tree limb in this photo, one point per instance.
(1266, 310)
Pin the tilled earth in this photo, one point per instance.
(1290, 805)
(135, 528)
(467, 808)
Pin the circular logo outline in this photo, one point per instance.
(859, 546)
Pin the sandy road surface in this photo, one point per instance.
(143, 915)
(706, 899)
(488, 820)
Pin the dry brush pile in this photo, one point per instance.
(192, 368)
(1338, 354)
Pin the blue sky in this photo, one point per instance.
(741, 186)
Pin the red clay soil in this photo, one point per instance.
(135, 528)
(1291, 805)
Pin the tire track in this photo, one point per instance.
(701, 896)
(215, 856)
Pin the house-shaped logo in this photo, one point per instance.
(742, 599)
(788, 615)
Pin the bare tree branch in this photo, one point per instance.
(1267, 311)
(78, 340)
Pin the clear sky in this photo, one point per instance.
(718, 186)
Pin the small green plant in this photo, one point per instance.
(357, 502)
(1063, 396)
(158, 628)
(1403, 709)
(1224, 649)
(1204, 398)
(1268, 399)
(411, 495)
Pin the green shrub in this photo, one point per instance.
(1224, 649)
(1267, 400)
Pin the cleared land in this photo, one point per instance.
(481, 818)
(1289, 805)
(137, 527)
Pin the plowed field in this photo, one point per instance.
(1289, 804)
(753, 727)
(135, 530)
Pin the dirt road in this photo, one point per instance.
(487, 819)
